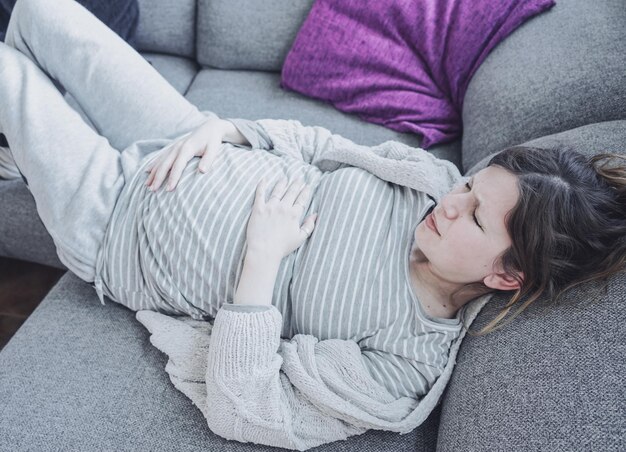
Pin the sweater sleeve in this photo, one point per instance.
(391, 161)
(296, 393)
(311, 144)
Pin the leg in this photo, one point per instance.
(125, 98)
(73, 173)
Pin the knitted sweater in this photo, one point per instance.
(254, 386)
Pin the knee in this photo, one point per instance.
(9, 57)
(30, 8)
(38, 11)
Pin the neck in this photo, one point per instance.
(438, 296)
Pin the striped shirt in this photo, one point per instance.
(181, 253)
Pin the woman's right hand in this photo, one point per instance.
(203, 142)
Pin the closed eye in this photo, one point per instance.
(473, 213)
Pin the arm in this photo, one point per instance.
(258, 276)
(298, 394)
(391, 161)
(295, 394)
(253, 386)
(311, 144)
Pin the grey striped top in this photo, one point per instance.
(181, 253)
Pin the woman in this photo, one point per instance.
(323, 327)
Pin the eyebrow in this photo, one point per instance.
(478, 204)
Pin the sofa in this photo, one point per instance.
(82, 376)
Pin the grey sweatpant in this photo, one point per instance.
(72, 170)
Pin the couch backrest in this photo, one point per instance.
(224, 34)
(563, 69)
(248, 34)
(167, 26)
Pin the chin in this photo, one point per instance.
(416, 252)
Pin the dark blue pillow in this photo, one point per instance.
(121, 16)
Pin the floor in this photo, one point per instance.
(22, 287)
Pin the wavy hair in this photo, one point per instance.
(568, 226)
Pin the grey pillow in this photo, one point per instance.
(553, 379)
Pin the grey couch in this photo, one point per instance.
(82, 376)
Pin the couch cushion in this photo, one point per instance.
(608, 136)
(553, 379)
(563, 69)
(257, 95)
(248, 34)
(82, 376)
(167, 26)
(22, 234)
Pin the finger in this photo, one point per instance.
(153, 169)
(259, 197)
(211, 152)
(279, 189)
(309, 225)
(164, 169)
(153, 172)
(150, 177)
(154, 161)
(181, 162)
(294, 189)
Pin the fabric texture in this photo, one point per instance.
(79, 376)
(549, 358)
(8, 170)
(405, 64)
(121, 16)
(248, 34)
(251, 386)
(299, 392)
(560, 71)
(161, 249)
(167, 26)
(41, 60)
(390, 161)
(257, 95)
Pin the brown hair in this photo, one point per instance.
(568, 226)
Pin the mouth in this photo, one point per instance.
(431, 223)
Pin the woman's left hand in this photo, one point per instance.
(274, 228)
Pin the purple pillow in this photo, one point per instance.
(404, 64)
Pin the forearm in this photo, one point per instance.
(258, 276)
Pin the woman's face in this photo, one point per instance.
(470, 237)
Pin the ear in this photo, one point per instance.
(502, 281)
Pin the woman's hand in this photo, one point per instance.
(205, 141)
(274, 229)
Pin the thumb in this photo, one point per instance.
(210, 152)
(309, 225)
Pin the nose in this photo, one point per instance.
(454, 205)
